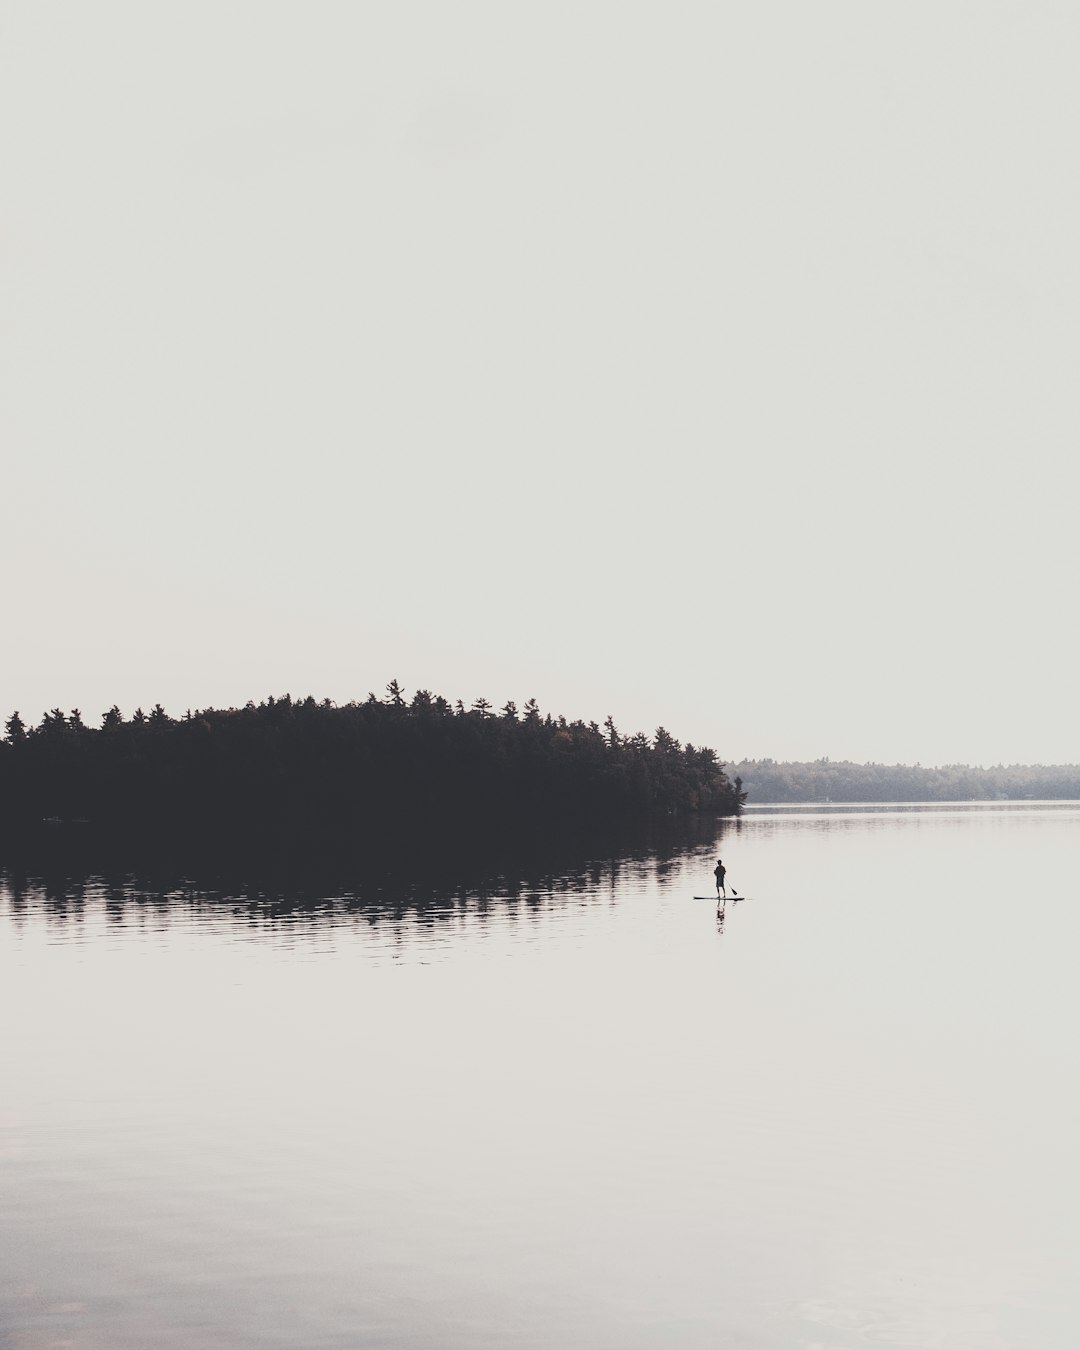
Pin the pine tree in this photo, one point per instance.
(15, 729)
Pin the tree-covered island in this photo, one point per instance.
(308, 771)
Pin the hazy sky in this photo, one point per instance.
(707, 364)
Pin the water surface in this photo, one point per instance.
(576, 1112)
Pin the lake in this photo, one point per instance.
(581, 1111)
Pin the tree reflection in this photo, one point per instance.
(268, 889)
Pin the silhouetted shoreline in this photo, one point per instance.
(302, 782)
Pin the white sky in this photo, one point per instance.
(711, 364)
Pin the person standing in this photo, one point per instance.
(720, 872)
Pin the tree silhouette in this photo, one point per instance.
(313, 772)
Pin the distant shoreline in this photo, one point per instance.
(989, 804)
(826, 780)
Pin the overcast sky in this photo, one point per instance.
(708, 364)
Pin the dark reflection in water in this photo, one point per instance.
(70, 879)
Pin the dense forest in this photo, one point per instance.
(318, 772)
(767, 780)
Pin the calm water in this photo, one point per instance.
(581, 1115)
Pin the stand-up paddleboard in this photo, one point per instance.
(732, 898)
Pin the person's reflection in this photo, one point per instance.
(721, 914)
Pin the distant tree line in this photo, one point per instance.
(317, 771)
(768, 780)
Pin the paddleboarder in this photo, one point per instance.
(720, 872)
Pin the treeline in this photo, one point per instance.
(316, 771)
(767, 780)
